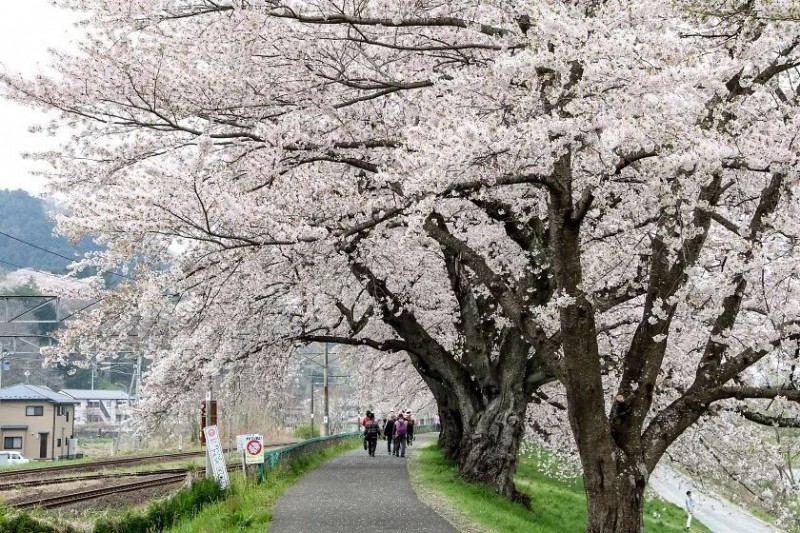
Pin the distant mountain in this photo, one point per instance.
(26, 217)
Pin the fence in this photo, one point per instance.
(283, 456)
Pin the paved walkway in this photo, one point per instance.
(356, 493)
(720, 516)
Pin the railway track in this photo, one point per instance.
(107, 475)
(98, 465)
(166, 477)
(107, 464)
(60, 500)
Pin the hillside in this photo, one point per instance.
(26, 217)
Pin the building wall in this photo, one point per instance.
(58, 427)
(114, 412)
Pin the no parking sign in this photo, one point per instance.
(253, 449)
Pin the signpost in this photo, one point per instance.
(252, 449)
(216, 456)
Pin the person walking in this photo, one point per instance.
(371, 433)
(400, 434)
(364, 426)
(689, 506)
(410, 430)
(388, 432)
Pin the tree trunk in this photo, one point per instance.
(616, 506)
(451, 435)
(490, 452)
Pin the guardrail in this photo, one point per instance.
(282, 456)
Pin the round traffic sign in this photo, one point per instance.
(253, 447)
(211, 432)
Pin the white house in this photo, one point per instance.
(108, 407)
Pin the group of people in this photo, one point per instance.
(398, 431)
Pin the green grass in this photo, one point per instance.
(16, 521)
(559, 506)
(249, 507)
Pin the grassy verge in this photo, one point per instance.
(249, 507)
(559, 506)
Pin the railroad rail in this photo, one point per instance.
(166, 477)
(59, 500)
(110, 463)
(97, 465)
(90, 477)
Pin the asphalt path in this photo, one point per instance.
(717, 514)
(356, 493)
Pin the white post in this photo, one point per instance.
(208, 423)
(325, 426)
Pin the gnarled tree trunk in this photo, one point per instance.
(451, 435)
(491, 450)
(616, 505)
(493, 434)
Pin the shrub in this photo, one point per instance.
(306, 432)
(163, 514)
(21, 522)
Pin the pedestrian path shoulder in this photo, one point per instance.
(356, 493)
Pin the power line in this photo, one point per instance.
(36, 246)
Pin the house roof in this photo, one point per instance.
(24, 391)
(86, 394)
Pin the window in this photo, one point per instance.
(67, 416)
(12, 443)
(34, 410)
(58, 443)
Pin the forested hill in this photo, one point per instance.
(25, 216)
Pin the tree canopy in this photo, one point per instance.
(514, 194)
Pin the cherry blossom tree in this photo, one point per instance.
(510, 193)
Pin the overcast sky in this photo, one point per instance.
(27, 29)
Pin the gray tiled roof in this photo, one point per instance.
(33, 392)
(87, 394)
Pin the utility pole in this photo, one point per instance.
(312, 406)
(325, 419)
(2, 364)
(138, 374)
(208, 423)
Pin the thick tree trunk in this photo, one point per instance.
(616, 505)
(451, 435)
(491, 451)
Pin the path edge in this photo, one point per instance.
(436, 502)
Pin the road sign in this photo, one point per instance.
(216, 455)
(254, 449)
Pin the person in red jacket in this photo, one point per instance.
(364, 426)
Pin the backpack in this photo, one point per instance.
(400, 428)
(371, 429)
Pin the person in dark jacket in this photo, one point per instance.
(400, 434)
(371, 433)
(388, 432)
